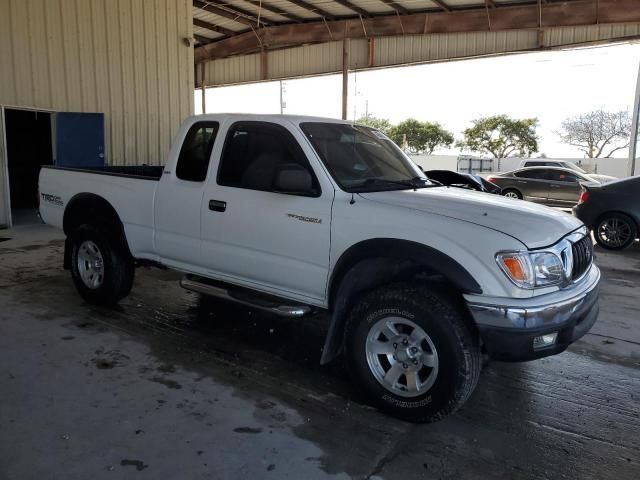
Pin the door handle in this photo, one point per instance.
(551, 185)
(217, 205)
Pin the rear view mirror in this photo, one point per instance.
(294, 179)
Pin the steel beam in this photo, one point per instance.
(232, 13)
(277, 10)
(214, 28)
(202, 40)
(442, 5)
(312, 8)
(345, 77)
(354, 8)
(519, 17)
(398, 8)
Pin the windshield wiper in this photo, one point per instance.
(415, 182)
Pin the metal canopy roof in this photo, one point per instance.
(225, 28)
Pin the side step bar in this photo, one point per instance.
(267, 303)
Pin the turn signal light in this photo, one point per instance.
(516, 268)
(491, 179)
(584, 196)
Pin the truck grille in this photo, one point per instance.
(582, 256)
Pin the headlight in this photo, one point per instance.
(532, 269)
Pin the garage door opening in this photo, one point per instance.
(29, 146)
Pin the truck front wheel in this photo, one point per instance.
(412, 351)
(102, 271)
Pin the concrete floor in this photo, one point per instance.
(167, 386)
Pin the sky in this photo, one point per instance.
(550, 86)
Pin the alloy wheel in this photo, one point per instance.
(90, 264)
(401, 356)
(614, 232)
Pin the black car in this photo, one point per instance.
(463, 180)
(612, 211)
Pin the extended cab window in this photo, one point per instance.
(193, 161)
(255, 153)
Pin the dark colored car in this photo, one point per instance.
(463, 180)
(553, 186)
(612, 211)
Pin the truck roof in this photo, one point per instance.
(272, 116)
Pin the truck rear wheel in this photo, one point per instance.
(412, 352)
(102, 271)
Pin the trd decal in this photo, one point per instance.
(54, 199)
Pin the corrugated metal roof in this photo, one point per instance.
(295, 9)
(206, 33)
(400, 50)
(375, 6)
(267, 15)
(218, 20)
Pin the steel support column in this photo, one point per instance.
(345, 76)
(633, 139)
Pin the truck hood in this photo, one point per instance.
(534, 225)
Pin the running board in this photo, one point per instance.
(243, 296)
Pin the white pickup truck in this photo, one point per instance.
(297, 214)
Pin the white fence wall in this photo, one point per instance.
(616, 167)
(436, 162)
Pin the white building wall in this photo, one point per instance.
(124, 58)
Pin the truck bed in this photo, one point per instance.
(130, 190)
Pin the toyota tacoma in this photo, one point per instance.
(296, 214)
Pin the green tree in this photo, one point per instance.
(501, 136)
(421, 137)
(381, 124)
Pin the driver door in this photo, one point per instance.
(257, 236)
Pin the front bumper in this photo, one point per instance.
(508, 330)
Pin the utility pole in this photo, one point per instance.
(204, 90)
(282, 104)
(355, 96)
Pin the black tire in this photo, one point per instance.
(118, 270)
(440, 316)
(626, 226)
(513, 191)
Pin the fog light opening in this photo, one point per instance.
(545, 340)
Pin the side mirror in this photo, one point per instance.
(294, 179)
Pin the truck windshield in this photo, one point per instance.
(362, 159)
